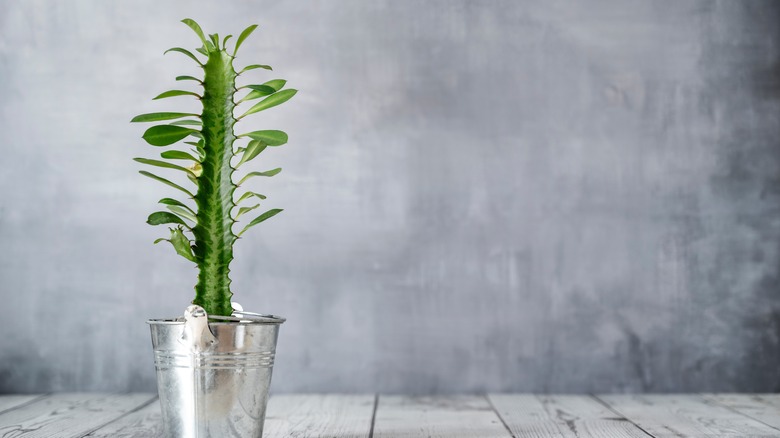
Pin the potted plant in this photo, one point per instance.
(214, 363)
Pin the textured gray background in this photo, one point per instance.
(497, 195)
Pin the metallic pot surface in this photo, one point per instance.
(213, 373)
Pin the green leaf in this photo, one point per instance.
(164, 164)
(165, 181)
(262, 90)
(215, 39)
(248, 195)
(202, 50)
(156, 241)
(271, 101)
(271, 137)
(252, 95)
(195, 27)
(188, 78)
(156, 117)
(178, 155)
(187, 123)
(164, 135)
(186, 52)
(181, 244)
(164, 217)
(254, 66)
(269, 173)
(243, 210)
(248, 31)
(183, 213)
(267, 215)
(198, 147)
(224, 42)
(276, 84)
(252, 150)
(172, 93)
(171, 201)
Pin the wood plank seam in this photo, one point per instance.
(606, 405)
(71, 415)
(143, 423)
(462, 416)
(373, 416)
(132, 411)
(498, 414)
(93, 430)
(714, 400)
(320, 415)
(562, 416)
(28, 402)
(685, 415)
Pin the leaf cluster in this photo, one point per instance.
(181, 136)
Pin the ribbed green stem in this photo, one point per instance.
(213, 233)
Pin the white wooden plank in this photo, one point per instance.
(685, 416)
(566, 416)
(772, 399)
(525, 415)
(762, 407)
(142, 423)
(67, 415)
(8, 402)
(431, 417)
(315, 416)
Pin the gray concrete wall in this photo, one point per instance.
(480, 195)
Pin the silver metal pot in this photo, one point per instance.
(213, 373)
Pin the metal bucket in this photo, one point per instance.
(213, 373)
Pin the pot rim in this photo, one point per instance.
(246, 318)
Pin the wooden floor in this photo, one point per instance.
(494, 415)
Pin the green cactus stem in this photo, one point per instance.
(213, 233)
(211, 221)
